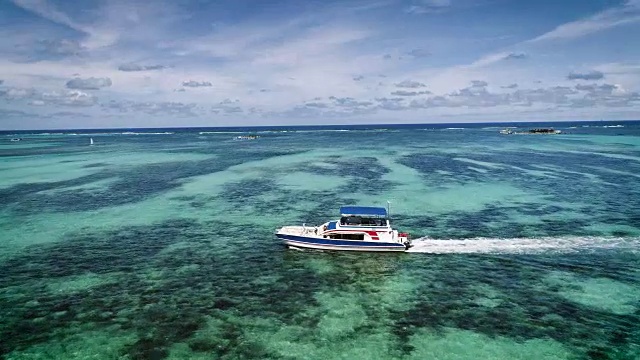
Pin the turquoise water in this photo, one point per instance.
(160, 243)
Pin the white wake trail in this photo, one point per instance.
(523, 245)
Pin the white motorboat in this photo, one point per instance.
(360, 228)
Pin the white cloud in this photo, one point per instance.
(491, 59)
(515, 56)
(622, 15)
(419, 53)
(96, 37)
(17, 93)
(591, 75)
(88, 84)
(48, 11)
(428, 6)
(628, 13)
(154, 108)
(56, 97)
(392, 104)
(410, 84)
(138, 67)
(69, 98)
(192, 83)
(409, 93)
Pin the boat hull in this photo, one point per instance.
(318, 243)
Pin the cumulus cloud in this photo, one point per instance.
(88, 84)
(606, 95)
(516, 56)
(333, 106)
(410, 93)
(591, 75)
(349, 102)
(152, 108)
(138, 67)
(602, 89)
(419, 53)
(479, 83)
(192, 83)
(56, 97)
(228, 106)
(475, 95)
(230, 110)
(316, 105)
(586, 87)
(410, 84)
(17, 93)
(69, 98)
(478, 95)
(393, 104)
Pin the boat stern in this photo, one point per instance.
(405, 239)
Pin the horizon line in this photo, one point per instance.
(318, 125)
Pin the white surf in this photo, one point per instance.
(523, 245)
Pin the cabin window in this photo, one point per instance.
(347, 236)
(360, 221)
(350, 220)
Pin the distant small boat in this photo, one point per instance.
(91, 141)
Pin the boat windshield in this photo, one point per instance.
(362, 221)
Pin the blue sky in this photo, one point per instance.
(71, 64)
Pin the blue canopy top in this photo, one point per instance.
(363, 211)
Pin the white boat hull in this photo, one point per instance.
(308, 238)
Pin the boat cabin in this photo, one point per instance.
(363, 216)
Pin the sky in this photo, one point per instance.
(178, 63)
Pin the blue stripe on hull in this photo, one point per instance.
(333, 244)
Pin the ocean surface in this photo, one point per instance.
(159, 243)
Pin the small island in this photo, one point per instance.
(547, 131)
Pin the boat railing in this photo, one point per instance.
(309, 230)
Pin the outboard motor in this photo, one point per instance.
(405, 238)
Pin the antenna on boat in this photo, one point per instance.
(389, 209)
